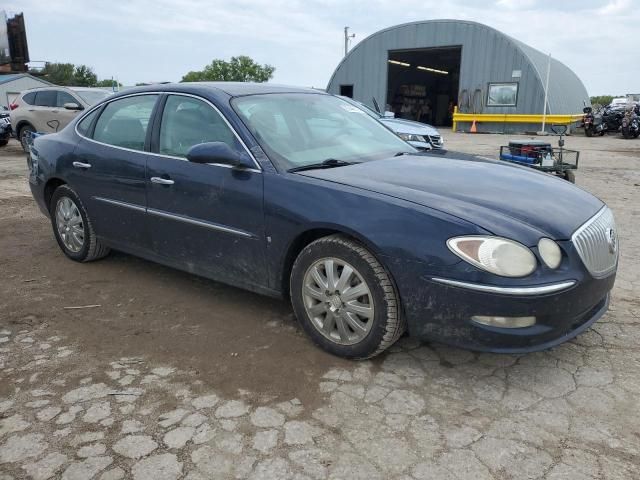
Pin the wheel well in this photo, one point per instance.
(297, 246)
(21, 124)
(51, 187)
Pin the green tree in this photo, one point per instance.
(602, 100)
(83, 76)
(238, 69)
(58, 73)
(108, 82)
(68, 74)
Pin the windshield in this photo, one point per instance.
(92, 96)
(298, 129)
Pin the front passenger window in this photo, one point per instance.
(187, 121)
(124, 122)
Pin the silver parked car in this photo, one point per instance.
(421, 135)
(50, 109)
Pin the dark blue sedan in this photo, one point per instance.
(295, 193)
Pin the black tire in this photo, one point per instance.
(3, 142)
(626, 132)
(92, 248)
(588, 131)
(570, 176)
(387, 324)
(23, 134)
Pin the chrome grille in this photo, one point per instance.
(597, 243)
(435, 140)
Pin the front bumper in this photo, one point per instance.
(444, 312)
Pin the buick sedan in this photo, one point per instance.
(294, 193)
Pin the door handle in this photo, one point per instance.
(162, 181)
(81, 165)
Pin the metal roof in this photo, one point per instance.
(488, 56)
(5, 78)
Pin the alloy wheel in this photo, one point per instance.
(338, 301)
(69, 224)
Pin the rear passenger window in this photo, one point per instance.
(124, 122)
(85, 124)
(46, 98)
(187, 121)
(29, 98)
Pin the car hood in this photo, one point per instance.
(504, 199)
(409, 126)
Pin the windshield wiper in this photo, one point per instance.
(328, 163)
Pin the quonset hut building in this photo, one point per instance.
(420, 70)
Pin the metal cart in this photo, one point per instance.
(542, 156)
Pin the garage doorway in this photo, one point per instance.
(422, 84)
(346, 91)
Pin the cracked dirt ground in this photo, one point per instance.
(175, 377)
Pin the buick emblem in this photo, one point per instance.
(612, 240)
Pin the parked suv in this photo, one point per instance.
(50, 109)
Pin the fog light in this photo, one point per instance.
(505, 322)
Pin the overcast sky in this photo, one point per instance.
(160, 40)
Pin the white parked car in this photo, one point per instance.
(50, 109)
(421, 135)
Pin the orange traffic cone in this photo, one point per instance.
(474, 129)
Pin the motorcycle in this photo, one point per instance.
(589, 122)
(630, 122)
(606, 119)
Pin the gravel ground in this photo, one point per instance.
(173, 376)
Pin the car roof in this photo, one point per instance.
(232, 89)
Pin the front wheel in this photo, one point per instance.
(24, 135)
(345, 299)
(72, 227)
(588, 131)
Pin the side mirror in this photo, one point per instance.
(389, 114)
(72, 106)
(215, 152)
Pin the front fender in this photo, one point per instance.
(391, 228)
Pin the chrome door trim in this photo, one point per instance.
(199, 223)
(179, 218)
(233, 130)
(537, 290)
(118, 203)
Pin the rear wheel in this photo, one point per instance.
(570, 176)
(345, 299)
(3, 142)
(24, 135)
(72, 227)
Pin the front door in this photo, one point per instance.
(107, 169)
(206, 218)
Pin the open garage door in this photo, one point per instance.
(422, 84)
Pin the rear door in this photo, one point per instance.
(40, 113)
(208, 218)
(108, 168)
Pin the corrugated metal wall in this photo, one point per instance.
(487, 56)
(12, 87)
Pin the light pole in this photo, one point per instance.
(346, 40)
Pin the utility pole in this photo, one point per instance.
(546, 96)
(346, 40)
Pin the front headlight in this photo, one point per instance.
(497, 255)
(410, 137)
(550, 252)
